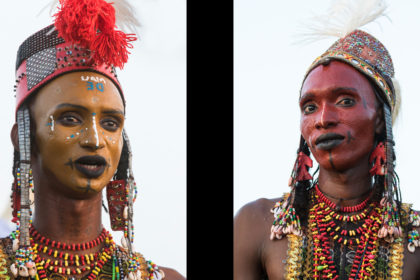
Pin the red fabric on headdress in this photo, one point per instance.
(303, 162)
(22, 91)
(91, 23)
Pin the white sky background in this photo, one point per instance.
(154, 83)
(268, 72)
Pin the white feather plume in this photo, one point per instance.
(344, 16)
(397, 106)
(125, 14)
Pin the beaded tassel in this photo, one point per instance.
(129, 227)
(391, 228)
(24, 264)
(286, 221)
(413, 235)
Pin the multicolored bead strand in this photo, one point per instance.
(346, 209)
(286, 221)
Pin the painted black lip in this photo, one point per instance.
(328, 141)
(82, 163)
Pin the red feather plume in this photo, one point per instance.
(91, 24)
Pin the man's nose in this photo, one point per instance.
(326, 117)
(93, 138)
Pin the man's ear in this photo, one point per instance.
(15, 137)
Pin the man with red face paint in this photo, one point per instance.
(70, 144)
(349, 221)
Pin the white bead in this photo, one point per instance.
(131, 276)
(32, 271)
(411, 247)
(124, 243)
(138, 274)
(23, 271)
(14, 270)
(125, 213)
(15, 245)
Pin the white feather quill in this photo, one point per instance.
(344, 16)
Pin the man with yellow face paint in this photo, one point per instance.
(70, 144)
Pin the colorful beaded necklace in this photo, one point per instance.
(68, 264)
(61, 259)
(327, 226)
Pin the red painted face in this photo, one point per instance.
(339, 116)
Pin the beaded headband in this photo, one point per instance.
(366, 54)
(45, 56)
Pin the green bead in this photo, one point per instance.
(321, 267)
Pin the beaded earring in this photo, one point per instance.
(391, 200)
(121, 194)
(286, 218)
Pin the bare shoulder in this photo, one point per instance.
(252, 227)
(256, 210)
(171, 274)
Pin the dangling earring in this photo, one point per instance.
(286, 219)
(121, 194)
(378, 158)
(117, 204)
(391, 228)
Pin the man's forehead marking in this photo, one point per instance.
(96, 79)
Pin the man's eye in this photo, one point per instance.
(110, 124)
(308, 109)
(346, 102)
(69, 120)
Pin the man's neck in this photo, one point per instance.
(65, 219)
(351, 186)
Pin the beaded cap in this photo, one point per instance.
(366, 54)
(44, 56)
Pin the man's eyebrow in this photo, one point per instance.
(306, 96)
(340, 89)
(113, 112)
(62, 105)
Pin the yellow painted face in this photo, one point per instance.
(79, 119)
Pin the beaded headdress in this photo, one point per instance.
(368, 55)
(83, 38)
